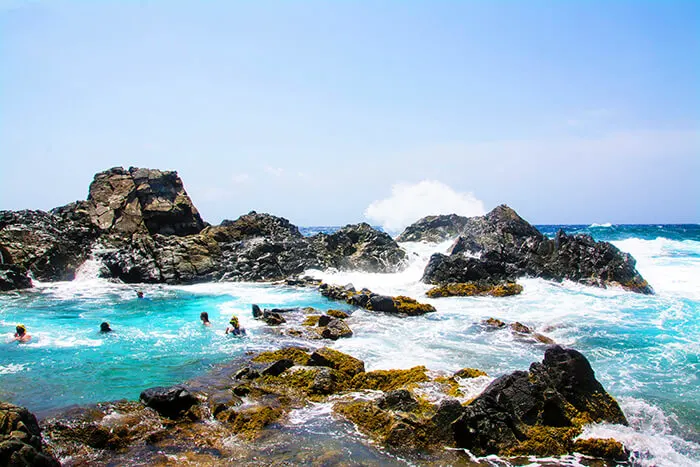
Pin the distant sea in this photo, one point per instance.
(644, 349)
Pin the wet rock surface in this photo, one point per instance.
(241, 405)
(540, 411)
(376, 302)
(20, 439)
(502, 246)
(13, 277)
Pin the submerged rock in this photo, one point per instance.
(20, 439)
(502, 246)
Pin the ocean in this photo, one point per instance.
(645, 350)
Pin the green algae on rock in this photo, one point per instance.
(477, 288)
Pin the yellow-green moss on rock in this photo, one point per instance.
(469, 289)
(607, 448)
(311, 320)
(295, 354)
(344, 363)
(337, 314)
(388, 380)
(250, 422)
(411, 307)
(469, 373)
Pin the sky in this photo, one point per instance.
(336, 112)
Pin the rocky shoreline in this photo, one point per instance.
(228, 414)
(140, 226)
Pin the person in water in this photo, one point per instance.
(235, 327)
(204, 316)
(104, 328)
(139, 294)
(21, 335)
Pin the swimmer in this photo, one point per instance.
(139, 294)
(204, 316)
(104, 328)
(21, 334)
(234, 327)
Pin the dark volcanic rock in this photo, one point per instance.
(502, 246)
(138, 200)
(434, 229)
(51, 246)
(360, 247)
(169, 402)
(539, 411)
(13, 277)
(20, 439)
(143, 227)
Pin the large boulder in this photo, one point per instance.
(20, 439)
(502, 246)
(142, 200)
(434, 229)
(539, 411)
(170, 402)
(360, 247)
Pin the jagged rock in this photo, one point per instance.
(375, 302)
(434, 229)
(20, 439)
(13, 277)
(272, 318)
(502, 246)
(360, 247)
(399, 399)
(170, 402)
(331, 358)
(536, 412)
(51, 246)
(278, 367)
(138, 200)
(257, 312)
(335, 329)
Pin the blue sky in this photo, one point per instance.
(571, 112)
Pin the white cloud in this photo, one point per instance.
(240, 179)
(276, 171)
(410, 202)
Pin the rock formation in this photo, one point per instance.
(142, 200)
(143, 227)
(502, 246)
(538, 412)
(20, 439)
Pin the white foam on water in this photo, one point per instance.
(603, 225)
(49, 340)
(12, 368)
(672, 267)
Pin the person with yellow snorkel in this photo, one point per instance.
(235, 327)
(21, 334)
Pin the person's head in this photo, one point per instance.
(21, 329)
(104, 327)
(204, 316)
(139, 294)
(234, 322)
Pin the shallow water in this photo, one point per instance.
(644, 349)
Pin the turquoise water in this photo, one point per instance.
(644, 349)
